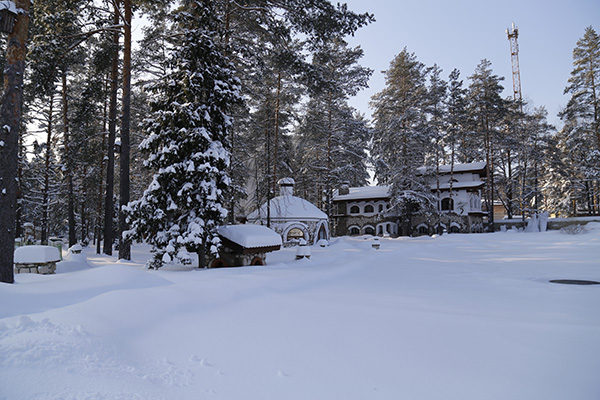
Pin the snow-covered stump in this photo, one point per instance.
(75, 249)
(303, 250)
(36, 259)
(244, 245)
(376, 244)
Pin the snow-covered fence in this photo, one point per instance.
(36, 259)
(550, 223)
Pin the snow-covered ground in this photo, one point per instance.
(451, 317)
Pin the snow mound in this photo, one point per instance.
(34, 293)
(72, 262)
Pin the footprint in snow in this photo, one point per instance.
(282, 374)
(202, 361)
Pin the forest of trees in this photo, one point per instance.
(219, 100)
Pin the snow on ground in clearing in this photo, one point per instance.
(450, 317)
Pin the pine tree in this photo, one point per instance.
(436, 115)
(456, 123)
(273, 66)
(187, 143)
(581, 116)
(486, 109)
(10, 120)
(332, 139)
(401, 137)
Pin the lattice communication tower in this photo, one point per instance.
(513, 34)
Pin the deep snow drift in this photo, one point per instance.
(451, 317)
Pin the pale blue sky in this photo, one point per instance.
(460, 33)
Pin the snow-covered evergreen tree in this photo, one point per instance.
(402, 137)
(581, 132)
(332, 138)
(486, 111)
(187, 143)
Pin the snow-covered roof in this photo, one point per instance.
(250, 235)
(365, 192)
(36, 254)
(288, 207)
(459, 185)
(286, 182)
(458, 168)
(8, 5)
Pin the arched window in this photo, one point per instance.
(295, 234)
(354, 231)
(354, 210)
(369, 208)
(381, 208)
(369, 230)
(322, 233)
(447, 204)
(454, 229)
(423, 230)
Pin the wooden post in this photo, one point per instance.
(10, 122)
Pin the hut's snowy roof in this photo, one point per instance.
(288, 207)
(36, 254)
(250, 235)
(8, 5)
(363, 193)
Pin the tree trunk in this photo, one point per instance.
(112, 128)
(10, 123)
(100, 187)
(201, 257)
(69, 169)
(276, 146)
(18, 217)
(124, 245)
(46, 190)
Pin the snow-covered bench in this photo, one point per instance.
(36, 259)
(245, 245)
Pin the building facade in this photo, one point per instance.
(458, 190)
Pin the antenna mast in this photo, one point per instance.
(513, 34)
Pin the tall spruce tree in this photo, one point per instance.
(187, 143)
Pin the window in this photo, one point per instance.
(354, 231)
(381, 208)
(447, 204)
(454, 229)
(354, 210)
(369, 230)
(295, 234)
(322, 233)
(369, 208)
(423, 230)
